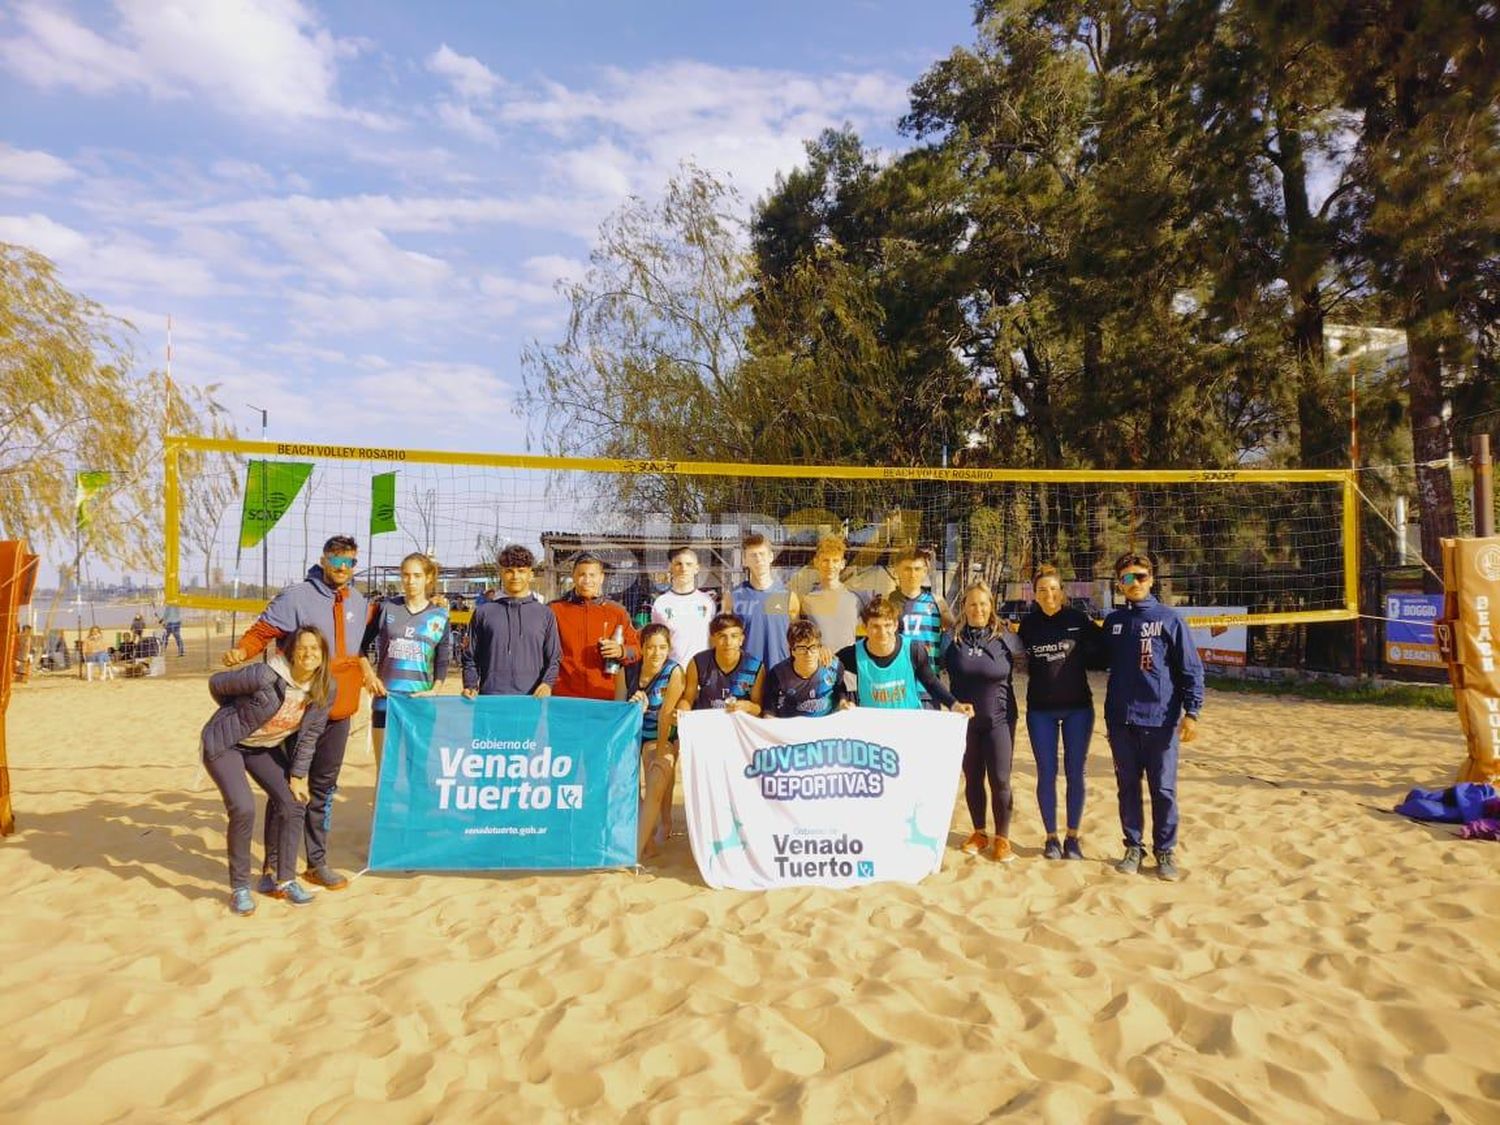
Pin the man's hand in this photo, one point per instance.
(299, 788)
(611, 649)
(471, 692)
(1188, 731)
(234, 656)
(963, 709)
(847, 705)
(542, 691)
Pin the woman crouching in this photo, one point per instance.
(263, 708)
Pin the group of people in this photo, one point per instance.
(768, 649)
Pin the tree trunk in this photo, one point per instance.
(1432, 443)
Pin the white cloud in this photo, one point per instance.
(269, 60)
(30, 168)
(461, 118)
(112, 263)
(469, 77)
(53, 50)
(633, 129)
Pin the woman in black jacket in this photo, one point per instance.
(979, 664)
(1061, 644)
(262, 709)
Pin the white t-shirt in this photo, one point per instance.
(687, 616)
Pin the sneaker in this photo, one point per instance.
(1131, 864)
(267, 884)
(241, 902)
(976, 843)
(326, 877)
(1001, 852)
(1072, 849)
(293, 892)
(1166, 867)
(1053, 849)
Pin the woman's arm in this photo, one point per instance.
(666, 721)
(927, 677)
(689, 690)
(244, 680)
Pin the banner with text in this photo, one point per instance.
(1409, 636)
(507, 782)
(1221, 645)
(861, 796)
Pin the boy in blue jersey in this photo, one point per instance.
(1152, 702)
(924, 616)
(804, 685)
(764, 603)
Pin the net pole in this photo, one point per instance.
(1484, 487)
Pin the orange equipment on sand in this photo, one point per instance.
(1469, 638)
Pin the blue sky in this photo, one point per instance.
(356, 211)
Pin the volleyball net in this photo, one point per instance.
(1257, 547)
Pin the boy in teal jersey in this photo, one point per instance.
(924, 616)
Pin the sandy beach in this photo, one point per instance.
(1320, 959)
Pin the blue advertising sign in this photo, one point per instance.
(1409, 638)
(507, 783)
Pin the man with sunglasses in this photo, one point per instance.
(1152, 702)
(326, 600)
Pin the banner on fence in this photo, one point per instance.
(507, 782)
(1409, 636)
(860, 796)
(1220, 645)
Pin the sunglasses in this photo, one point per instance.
(341, 561)
(1133, 577)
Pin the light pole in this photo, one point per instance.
(265, 565)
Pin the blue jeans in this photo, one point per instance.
(1149, 751)
(1077, 727)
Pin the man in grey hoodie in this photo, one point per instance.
(327, 601)
(513, 646)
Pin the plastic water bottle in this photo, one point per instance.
(612, 666)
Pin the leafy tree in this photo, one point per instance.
(1423, 221)
(70, 399)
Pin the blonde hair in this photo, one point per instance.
(831, 544)
(992, 627)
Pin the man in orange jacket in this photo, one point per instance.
(586, 623)
(328, 601)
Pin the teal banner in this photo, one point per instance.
(507, 783)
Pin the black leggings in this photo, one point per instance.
(988, 749)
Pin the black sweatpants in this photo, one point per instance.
(231, 772)
(988, 749)
(322, 782)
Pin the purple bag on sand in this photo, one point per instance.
(1458, 804)
(1484, 829)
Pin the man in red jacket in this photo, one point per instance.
(586, 623)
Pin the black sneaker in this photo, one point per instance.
(1166, 867)
(1053, 849)
(1131, 864)
(1072, 849)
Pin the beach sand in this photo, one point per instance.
(1320, 960)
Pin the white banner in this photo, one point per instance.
(861, 796)
(1222, 645)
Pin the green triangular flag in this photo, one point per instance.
(382, 503)
(270, 488)
(86, 484)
